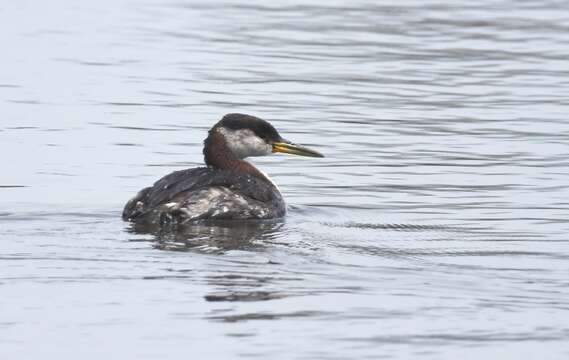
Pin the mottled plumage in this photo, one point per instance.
(205, 193)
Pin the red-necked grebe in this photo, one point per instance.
(229, 187)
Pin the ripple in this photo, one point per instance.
(265, 316)
(245, 296)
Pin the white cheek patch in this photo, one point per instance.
(244, 143)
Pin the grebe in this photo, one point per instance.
(229, 188)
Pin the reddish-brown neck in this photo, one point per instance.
(218, 155)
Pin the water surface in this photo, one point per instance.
(436, 226)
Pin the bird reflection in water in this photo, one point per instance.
(211, 236)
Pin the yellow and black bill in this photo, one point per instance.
(290, 148)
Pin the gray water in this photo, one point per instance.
(436, 226)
